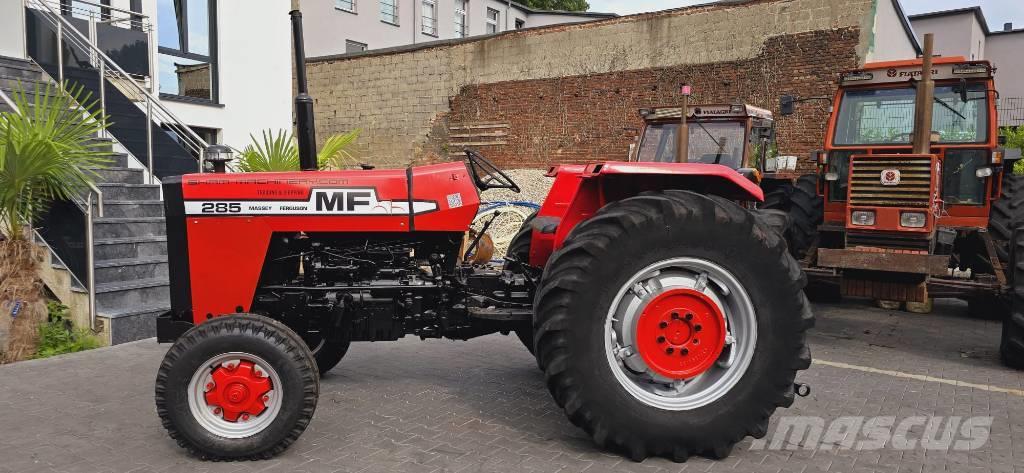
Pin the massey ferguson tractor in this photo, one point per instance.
(667, 318)
(915, 197)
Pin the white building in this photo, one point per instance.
(965, 32)
(241, 54)
(344, 26)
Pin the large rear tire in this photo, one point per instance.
(603, 290)
(237, 387)
(806, 211)
(1011, 346)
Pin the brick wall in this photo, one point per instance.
(569, 93)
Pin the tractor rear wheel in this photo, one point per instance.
(1011, 346)
(671, 324)
(237, 387)
(519, 248)
(806, 211)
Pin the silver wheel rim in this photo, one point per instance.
(215, 423)
(632, 372)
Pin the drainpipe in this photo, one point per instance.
(508, 12)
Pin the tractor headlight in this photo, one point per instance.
(863, 217)
(831, 176)
(984, 172)
(913, 219)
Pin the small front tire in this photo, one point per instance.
(237, 387)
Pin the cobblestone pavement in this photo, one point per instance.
(481, 406)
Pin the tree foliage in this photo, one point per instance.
(46, 152)
(563, 5)
(279, 152)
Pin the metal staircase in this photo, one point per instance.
(116, 249)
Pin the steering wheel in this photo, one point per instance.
(487, 175)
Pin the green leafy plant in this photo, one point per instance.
(45, 152)
(57, 336)
(1015, 140)
(278, 151)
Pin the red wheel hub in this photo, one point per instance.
(238, 390)
(680, 333)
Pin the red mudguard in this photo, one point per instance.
(580, 191)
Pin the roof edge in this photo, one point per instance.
(976, 10)
(907, 27)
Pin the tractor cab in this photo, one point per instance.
(874, 117)
(737, 136)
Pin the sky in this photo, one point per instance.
(996, 12)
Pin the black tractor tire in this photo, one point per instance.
(519, 248)
(1002, 216)
(330, 353)
(806, 211)
(775, 219)
(582, 279)
(1011, 346)
(280, 347)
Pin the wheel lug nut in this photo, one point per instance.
(266, 398)
(209, 386)
(684, 351)
(669, 350)
(245, 416)
(696, 342)
(697, 328)
(663, 324)
(675, 316)
(661, 339)
(689, 316)
(216, 410)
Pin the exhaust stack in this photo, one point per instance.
(305, 127)
(925, 97)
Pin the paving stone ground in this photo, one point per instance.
(481, 405)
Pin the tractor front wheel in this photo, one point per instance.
(237, 387)
(672, 324)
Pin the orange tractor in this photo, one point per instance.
(917, 201)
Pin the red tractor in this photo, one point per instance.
(918, 202)
(667, 318)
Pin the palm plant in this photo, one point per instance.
(45, 152)
(278, 151)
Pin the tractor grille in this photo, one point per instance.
(888, 241)
(913, 190)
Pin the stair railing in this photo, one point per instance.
(156, 111)
(90, 256)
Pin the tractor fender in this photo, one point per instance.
(580, 190)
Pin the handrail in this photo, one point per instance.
(90, 251)
(108, 7)
(154, 108)
(7, 100)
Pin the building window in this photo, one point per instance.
(345, 5)
(493, 17)
(520, 24)
(461, 25)
(354, 46)
(389, 11)
(187, 48)
(429, 17)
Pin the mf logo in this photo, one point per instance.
(343, 201)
